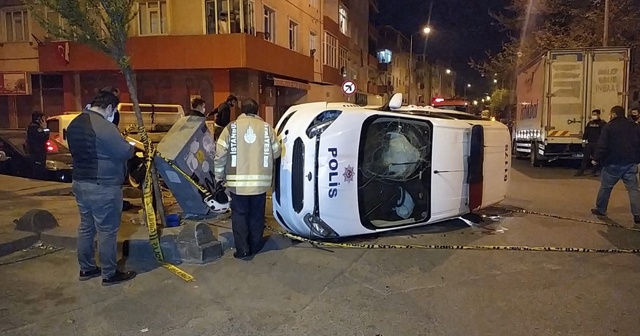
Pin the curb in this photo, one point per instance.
(18, 241)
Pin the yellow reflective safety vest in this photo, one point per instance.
(245, 152)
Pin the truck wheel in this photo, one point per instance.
(535, 162)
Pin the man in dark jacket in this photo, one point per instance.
(590, 141)
(223, 115)
(619, 152)
(197, 108)
(100, 157)
(37, 136)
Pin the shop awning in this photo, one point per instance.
(291, 84)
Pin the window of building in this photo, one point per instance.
(152, 17)
(269, 24)
(293, 35)
(384, 56)
(230, 16)
(313, 3)
(343, 21)
(343, 58)
(313, 44)
(54, 18)
(330, 50)
(16, 25)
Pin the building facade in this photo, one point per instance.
(278, 52)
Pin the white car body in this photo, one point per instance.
(318, 178)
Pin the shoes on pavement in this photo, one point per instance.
(119, 277)
(597, 213)
(84, 276)
(242, 256)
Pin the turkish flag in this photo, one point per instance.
(62, 51)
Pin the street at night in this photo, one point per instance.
(305, 290)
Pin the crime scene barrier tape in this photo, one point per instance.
(313, 242)
(154, 237)
(454, 247)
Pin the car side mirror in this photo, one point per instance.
(3, 156)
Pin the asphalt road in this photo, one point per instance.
(302, 290)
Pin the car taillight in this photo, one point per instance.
(51, 147)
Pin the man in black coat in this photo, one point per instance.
(37, 136)
(619, 152)
(590, 141)
(223, 115)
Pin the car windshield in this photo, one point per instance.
(394, 171)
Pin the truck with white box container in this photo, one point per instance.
(556, 93)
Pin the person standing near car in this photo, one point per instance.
(619, 151)
(100, 156)
(198, 106)
(223, 115)
(245, 153)
(37, 137)
(590, 142)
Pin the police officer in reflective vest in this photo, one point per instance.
(245, 153)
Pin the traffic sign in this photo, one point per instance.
(349, 87)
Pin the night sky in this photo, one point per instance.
(462, 29)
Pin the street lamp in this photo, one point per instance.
(426, 31)
(448, 71)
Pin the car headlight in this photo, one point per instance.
(319, 227)
(321, 122)
(56, 165)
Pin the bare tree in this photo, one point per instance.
(103, 25)
(536, 26)
(100, 24)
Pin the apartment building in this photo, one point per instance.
(23, 88)
(180, 50)
(281, 52)
(345, 52)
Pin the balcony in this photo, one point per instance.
(177, 53)
(372, 61)
(384, 67)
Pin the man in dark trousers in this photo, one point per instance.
(245, 153)
(198, 106)
(100, 156)
(590, 142)
(223, 115)
(37, 136)
(619, 152)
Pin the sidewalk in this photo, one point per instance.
(20, 195)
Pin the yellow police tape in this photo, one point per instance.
(154, 237)
(442, 247)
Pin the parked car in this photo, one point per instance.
(16, 161)
(346, 170)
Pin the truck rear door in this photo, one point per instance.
(608, 69)
(566, 95)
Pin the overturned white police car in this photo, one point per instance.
(346, 170)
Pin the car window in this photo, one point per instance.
(53, 125)
(19, 144)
